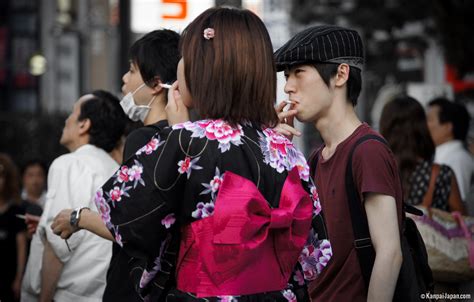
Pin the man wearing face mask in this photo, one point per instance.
(153, 63)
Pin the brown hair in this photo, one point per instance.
(8, 170)
(403, 124)
(232, 75)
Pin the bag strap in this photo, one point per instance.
(428, 198)
(360, 226)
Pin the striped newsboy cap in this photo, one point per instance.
(322, 44)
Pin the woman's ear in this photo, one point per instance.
(342, 74)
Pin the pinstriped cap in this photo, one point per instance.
(322, 44)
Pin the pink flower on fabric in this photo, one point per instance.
(203, 210)
(298, 277)
(99, 198)
(118, 237)
(213, 186)
(151, 146)
(104, 210)
(281, 154)
(187, 165)
(315, 198)
(314, 259)
(227, 299)
(289, 295)
(135, 174)
(168, 220)
(218, 130)
(116, 194)
(122, 174)
(103, 207)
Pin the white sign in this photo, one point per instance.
(148, 15)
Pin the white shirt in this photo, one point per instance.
(453, 154)
(72, 182)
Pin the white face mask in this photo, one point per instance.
(132, 110)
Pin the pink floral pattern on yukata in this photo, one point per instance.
(187, 165)
(168, 220)
(133, 174)
(315, 199)
(213, 186)
(118, 237)
(203, 210)
(314, 258)
(298, 277)
(281, 154)
(147, 276)
(151, 146)
(227, 299)
(103, 207)
(218, 130)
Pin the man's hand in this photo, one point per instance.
(286, 125)
(32, 223)
(61, 225)
(175, 109)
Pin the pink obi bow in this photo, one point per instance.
(245, 247)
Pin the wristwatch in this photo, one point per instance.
(75, 215)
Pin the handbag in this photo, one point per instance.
(448, 239)
(449, 242)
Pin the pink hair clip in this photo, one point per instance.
(209, 33)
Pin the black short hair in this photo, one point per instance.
(34, 162)
(107, 119)
(354, 83)
(454, 113)
(156, 55)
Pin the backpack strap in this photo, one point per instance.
(360, 226)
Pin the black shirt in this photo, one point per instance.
(119, 285)
(10, 226)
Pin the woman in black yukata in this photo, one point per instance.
(238, 194)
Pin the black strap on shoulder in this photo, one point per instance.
(360, 225)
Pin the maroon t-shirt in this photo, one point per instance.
(374, 170)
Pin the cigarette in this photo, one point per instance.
(167, 86)
(20, 216)
(288, 102)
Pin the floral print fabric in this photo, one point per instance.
(174, 180)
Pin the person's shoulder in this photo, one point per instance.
(372, 140)
(63, 162)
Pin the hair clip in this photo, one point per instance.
(209, 33)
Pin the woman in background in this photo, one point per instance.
(403, 124)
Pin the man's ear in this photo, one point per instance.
(342, 74)
(157, 89)
(84, 126)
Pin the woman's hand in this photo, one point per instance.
(61, 225)
(175, 109)
(286, 126)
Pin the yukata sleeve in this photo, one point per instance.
(317, 251)
(139, 202)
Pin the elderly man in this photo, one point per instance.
(75, 270)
